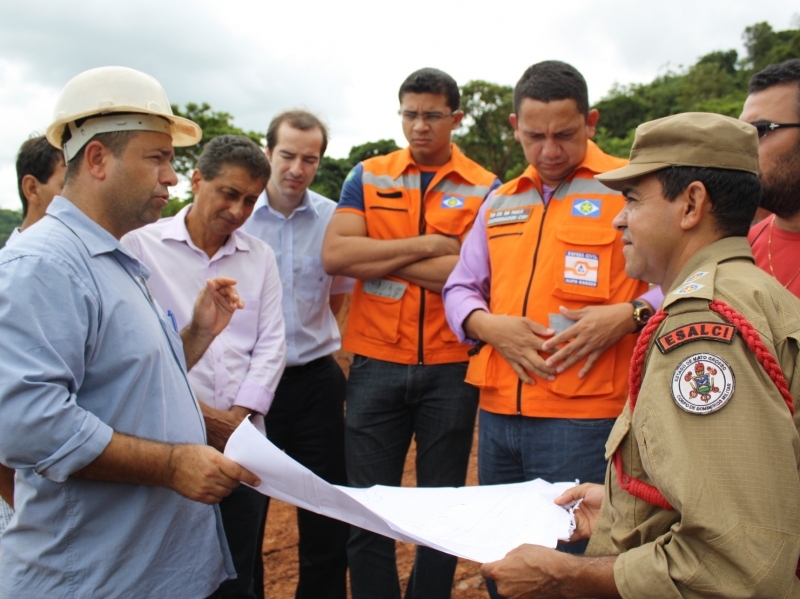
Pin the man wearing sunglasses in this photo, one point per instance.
(773, 107)
(398, 230)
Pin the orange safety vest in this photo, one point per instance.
(391, 319)
(564, 254)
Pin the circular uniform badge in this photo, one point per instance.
(702, 383)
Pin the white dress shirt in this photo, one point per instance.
(245, 362)
(311, 329)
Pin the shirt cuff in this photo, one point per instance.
(80, 450)
(254, 397)
(654, 297)
(644, 572)
(351, 210)
(460, 313)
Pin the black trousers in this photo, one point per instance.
(306, 420)
(243, 513)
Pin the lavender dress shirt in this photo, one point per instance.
(245, 362)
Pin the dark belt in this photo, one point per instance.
(293, 371)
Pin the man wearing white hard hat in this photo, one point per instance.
(112, 468)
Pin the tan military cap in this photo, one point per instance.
(699, 139)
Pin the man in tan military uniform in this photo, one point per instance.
(702, 495)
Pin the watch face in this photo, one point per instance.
(641, 313)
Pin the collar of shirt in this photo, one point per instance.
(96, 239)
(458, 163)
(305, 205)
(176, 230)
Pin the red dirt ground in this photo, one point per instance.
(280, 535)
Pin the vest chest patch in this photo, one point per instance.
(507, 216)
(581, 268)
(712, 331)
(451, 201)
(702, 384)
(586, 208)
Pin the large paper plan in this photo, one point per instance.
(481, 524)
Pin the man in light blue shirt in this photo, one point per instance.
(96, 414)
(306, 418)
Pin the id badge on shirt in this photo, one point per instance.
(385, 288)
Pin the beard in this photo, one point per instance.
(781, 189)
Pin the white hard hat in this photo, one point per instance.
(104, 91)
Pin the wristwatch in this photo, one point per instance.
(641, 313)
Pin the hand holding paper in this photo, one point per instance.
(481, 524)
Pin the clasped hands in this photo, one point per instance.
(520, 339)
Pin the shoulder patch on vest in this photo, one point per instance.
(507, 216)
(587, 208)
(712, 331)
(702, 384)
(688, 288)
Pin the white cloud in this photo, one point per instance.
(343, 60)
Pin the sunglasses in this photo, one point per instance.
(764, 128)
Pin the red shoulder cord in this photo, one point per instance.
(649, 493)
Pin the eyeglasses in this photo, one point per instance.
(429, 118)
(764, 128)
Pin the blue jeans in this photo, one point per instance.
(387, 405)
(515, 449)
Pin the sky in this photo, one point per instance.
(342, 60)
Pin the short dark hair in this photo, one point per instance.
(36, 157)
(297, 119)
(552, 80)
(234, 150)
(735, 195)
(115, 141)
(782, 73)
(432, 81)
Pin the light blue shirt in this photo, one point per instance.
(311, 329)
(86, 352)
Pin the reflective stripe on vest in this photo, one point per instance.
(391, 319)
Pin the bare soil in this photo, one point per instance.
(280, 535)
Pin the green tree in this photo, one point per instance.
(333, 171)
(717, 82)
(213, 123)
(486, 135)
(330, 177)
(9, 220)
(370, 150)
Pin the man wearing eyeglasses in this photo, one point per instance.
(398, 230)
(773, 107)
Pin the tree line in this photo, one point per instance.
(717, 82)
